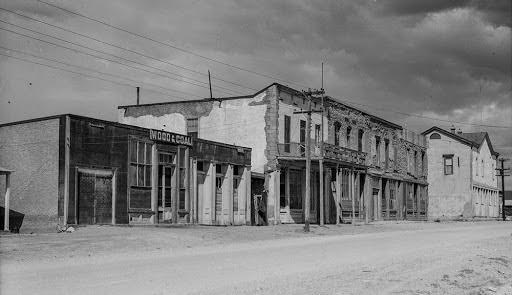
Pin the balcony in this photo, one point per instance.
(295, 149)
(339, 153)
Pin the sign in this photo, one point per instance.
(169, 137)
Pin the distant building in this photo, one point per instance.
(461, 174)
(363, 167)
(78, 170)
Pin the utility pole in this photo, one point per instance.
(501, 173)
(307, 95)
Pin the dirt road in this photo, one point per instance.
(436, 260)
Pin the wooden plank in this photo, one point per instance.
(67, 142)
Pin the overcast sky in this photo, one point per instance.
(449, 60)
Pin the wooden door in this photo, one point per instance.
(94, 199)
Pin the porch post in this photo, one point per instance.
(338, 194)
(353, 209)
(187, 183)
(321, 164)
(154, 183)
(67, 142)
(248, 203)
(7, 201)
(114, 186)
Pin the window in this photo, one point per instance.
(448, 164)
(287, 133)
(476, 166)
(415, 163)
(493, 171)
(435, 136)
(349, 130)
(482, 168)
(386, 153)
(337, 128)
(377, 150)
(140, 163)
(193, 127)
(302, 137)
(360, 140)
(408, 157)
(318, 135)
(423, 162)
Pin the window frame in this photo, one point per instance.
(445, 158)
(192, 133)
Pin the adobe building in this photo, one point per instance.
(364, 168)
(78, 170)
(462, 175)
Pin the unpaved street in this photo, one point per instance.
(456, 258)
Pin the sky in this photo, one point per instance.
(416, 63)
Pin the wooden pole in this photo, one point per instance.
(353, 209)
(308, 167)
(321, 164)
(154, 182)
(66, 170)
(7, 201)
(338, 193)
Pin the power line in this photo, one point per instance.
(170, 45)
(86, 75)
(88, 69)
(129, 60)
(421, 116)
(98, 57)
(125, 49)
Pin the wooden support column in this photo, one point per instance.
(327, 193)
(338, 194)
(378, 211)
(175, 192)
(354, 204)
(248, 203)
(7, 200)
(213, 192)
(228, 204)
(352, 181)
(114, 186)
(193, 191)
(397, 201)
(322, 209)
(368, 198)
(187, 183)
(154, 183)
(67, 142)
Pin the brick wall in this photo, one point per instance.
(32, 150)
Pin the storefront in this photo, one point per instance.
(111, 173)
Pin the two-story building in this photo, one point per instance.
(363, 167)
(461, 174)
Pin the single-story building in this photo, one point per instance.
(77, 170)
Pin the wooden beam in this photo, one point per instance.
(322, 209)
(154, 182)
(67, 142)
(114, 186)
(7, 201)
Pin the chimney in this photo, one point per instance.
(138, 95)
(452, 129)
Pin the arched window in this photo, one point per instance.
(337, 127)
(435, 136)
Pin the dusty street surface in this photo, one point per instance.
(406, 258)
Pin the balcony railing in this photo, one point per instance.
(295, 149)
(344, 154)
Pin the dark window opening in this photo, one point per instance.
(337, 128)
(360, 140)
(193, 127)
(448, 164)
(287, 133)
(349, 130)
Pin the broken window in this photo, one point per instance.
(140, 163)
(193, 127)
(448, 164)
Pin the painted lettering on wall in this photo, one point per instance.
(170, 137)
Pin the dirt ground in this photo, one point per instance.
(380, 258)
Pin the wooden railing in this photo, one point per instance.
(344, 154)
(295, 149)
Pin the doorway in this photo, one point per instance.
(95, 195)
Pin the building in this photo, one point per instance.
(77, 170)
(508, 203)
(461, 174)
(363, 167)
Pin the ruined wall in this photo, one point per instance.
(449, 195)
(32, 150)
(233, 121)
